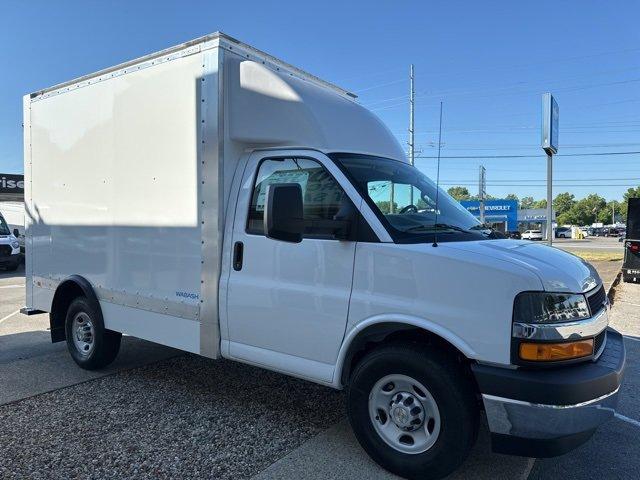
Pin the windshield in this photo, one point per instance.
(4, 229)
(405, 200)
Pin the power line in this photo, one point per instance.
(626, 126)
(559, 180)
(489, 88)
(545, 63)
(590, 154)
(360, 90)
(541, 185)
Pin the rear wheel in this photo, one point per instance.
(413, 410)
(91, 345)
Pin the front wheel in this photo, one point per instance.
(90, 344)
(414, 410)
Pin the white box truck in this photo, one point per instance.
(215, 199)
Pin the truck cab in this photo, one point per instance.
(278, 223)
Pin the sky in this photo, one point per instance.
(488, 62)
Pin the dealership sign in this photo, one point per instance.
(497, 210)
(10, 183)
(550, 120)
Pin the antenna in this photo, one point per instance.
(435, 225)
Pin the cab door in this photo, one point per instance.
(287, 303)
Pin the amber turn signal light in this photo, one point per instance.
(550, 352)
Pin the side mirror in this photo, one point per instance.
(16, 233)
(283, 213)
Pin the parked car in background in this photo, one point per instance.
(614, 232)
(563, 232)
(515, 234)
(532, 235)
(623, 234)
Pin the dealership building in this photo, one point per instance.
(506, 216)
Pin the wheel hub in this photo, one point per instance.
(406, 411)
(83, 333)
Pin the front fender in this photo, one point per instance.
(402, 320)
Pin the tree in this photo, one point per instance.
(631, 193)
(459, 193)
(540, 203)
(586, 211)
(421, 204)
(563, 203)
(526, 202)
(511, 196)
(384, 206)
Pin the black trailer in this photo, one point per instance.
(631, 265)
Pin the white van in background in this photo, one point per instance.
(223, 202)
(13, 213)
(9, 247)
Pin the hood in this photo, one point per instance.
(559, 271)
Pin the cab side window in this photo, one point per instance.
(323, 199)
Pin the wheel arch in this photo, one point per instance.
(376, 330)
(67, 291)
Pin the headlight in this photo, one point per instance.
(541, 307)
(15, 245)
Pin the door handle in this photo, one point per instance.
(238, 251)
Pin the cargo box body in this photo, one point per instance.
(128, 173)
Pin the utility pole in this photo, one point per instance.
(613, 213)
(392, 194)
(482, 190)
(412, 94)
(412, 144)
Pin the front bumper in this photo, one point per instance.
(544, 413)
(9, 260)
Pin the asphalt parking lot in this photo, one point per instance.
(611, 244)
(159, 413)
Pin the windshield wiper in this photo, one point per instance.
(435, 227)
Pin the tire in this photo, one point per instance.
(91, 345)
(451, 427)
